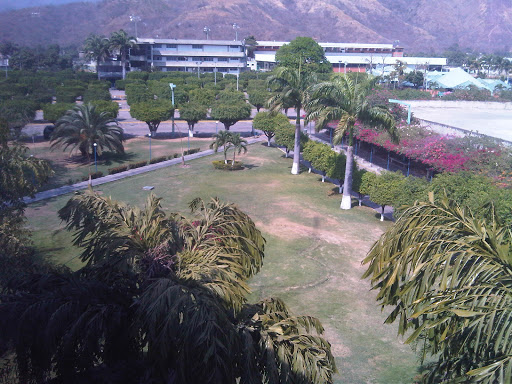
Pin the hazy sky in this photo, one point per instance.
(16, 4)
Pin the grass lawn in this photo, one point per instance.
(313, 252)
(71, 168)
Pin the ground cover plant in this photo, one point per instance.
(313, 250)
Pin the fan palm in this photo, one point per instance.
(121, 42)
(161, 299)
(97, 48)
(294, 86)
(344, 99)
(83, 126)
(448, 277)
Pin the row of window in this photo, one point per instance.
(183, 69)
(196, 59)
(194, 46)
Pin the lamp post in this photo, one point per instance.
(236, 28)
(172, 100)
(237, 81)
(345, 66)
(198, 63)
(207, 31)
(95, 162)
(149, 146)
(215, 74)
(216, 124)
(135, 19)
(339, 66)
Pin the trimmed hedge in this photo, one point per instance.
(121, 168)
(219, 164)
(158, 159)
(137, 164)
(191, 151)
(94, 175)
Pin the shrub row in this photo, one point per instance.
(219, 164)
(138, 164)
(191, 151)
(94, 175)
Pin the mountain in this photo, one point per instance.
(428, 25)
(6, 5)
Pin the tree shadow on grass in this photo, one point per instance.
(108, 158)
(250, 166)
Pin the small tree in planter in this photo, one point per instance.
(310, 152)
(285, 137)
(337, 171)
(366, 184)
(152, 113)
(357, 180)
(230, 113)
(268, 123)
(192, 113)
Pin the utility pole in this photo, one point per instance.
(236, 28)
(172, 100)
(207, 31)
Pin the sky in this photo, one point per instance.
(6, 5)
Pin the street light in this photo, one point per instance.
(339, 66)
(207, 31)
(172, 100)
(237, 81)
(236, 28)
(198, 63)
(149, 146)
(215, 73)
(95, 162)
(345, 66)
(216, 124)
(135, 19)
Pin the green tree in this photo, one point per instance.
(17, 114)
(250, 45)
(268, 122)
(259, 98)
(110, 107)
(345, 100)
(386, 188)
(120, 42)
(238, 143)
(155, 291)
(53, 112)
(446, 273)
(285, 136)
(415, 77)
(293, 89)
(83, 126)
(230, 113)
(324, 160)
(192, 113)
(202, 96)
(152, 113)
(137, 93)
(97, 48)
(304, 53)
(221, 139)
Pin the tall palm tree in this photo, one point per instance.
(222, 139)
(448, 277)
(81, 127)
(294, 85)
(97, 48)
(238, 144)
(121, 42)
(344, 99)
(162, 298)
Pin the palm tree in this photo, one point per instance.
(238, 144)
(448, 276)
(222, 139)
(160, 299)
(97, 48)
(294, 86)
(81, 127)
(121, 42)
(344, 99)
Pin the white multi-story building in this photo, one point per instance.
(353, 57)
(224, 56)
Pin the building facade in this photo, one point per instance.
(168, 55)
(353, 57)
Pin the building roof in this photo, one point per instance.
(188, 42)
(331, 45)
(458, 78)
